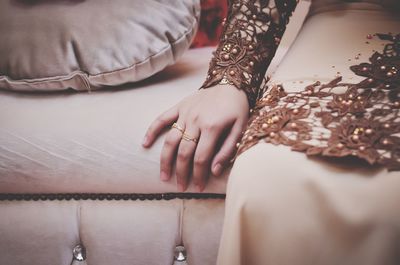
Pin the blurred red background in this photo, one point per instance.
(210, 27)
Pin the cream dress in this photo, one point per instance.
(284, 208)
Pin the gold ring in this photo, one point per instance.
(179, 128)
(186, 137)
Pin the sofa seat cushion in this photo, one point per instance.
(91, 142)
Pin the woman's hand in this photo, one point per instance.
(215, 117)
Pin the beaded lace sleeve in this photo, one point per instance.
(252, 33)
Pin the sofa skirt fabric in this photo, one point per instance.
(110, 232)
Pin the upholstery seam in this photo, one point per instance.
(107, 196)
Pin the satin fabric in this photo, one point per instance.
(284, 208)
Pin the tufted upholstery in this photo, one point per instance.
(89, 151)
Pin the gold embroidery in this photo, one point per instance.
(251, 35)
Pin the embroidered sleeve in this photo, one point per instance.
(252, 33)
(337, 119)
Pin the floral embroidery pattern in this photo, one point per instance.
(252, 32)
(337, 119)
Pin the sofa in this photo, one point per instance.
(73, 172)
(76, 187)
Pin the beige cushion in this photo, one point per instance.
(54, 45)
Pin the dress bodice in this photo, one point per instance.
(328, 5)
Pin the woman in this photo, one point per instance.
(307, 213)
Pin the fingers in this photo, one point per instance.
(228, 149)
(156, 127)
(168, 152)
(202, 158)
(184, 157)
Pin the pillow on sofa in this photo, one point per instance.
(86, 44)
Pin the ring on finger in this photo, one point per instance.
(178, 127)
(187, 137)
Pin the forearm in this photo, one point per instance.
(252, 33)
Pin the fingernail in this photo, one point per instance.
(181, 187)
(145, 141)
(217, 169)
(199, 188)
(164, 176)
